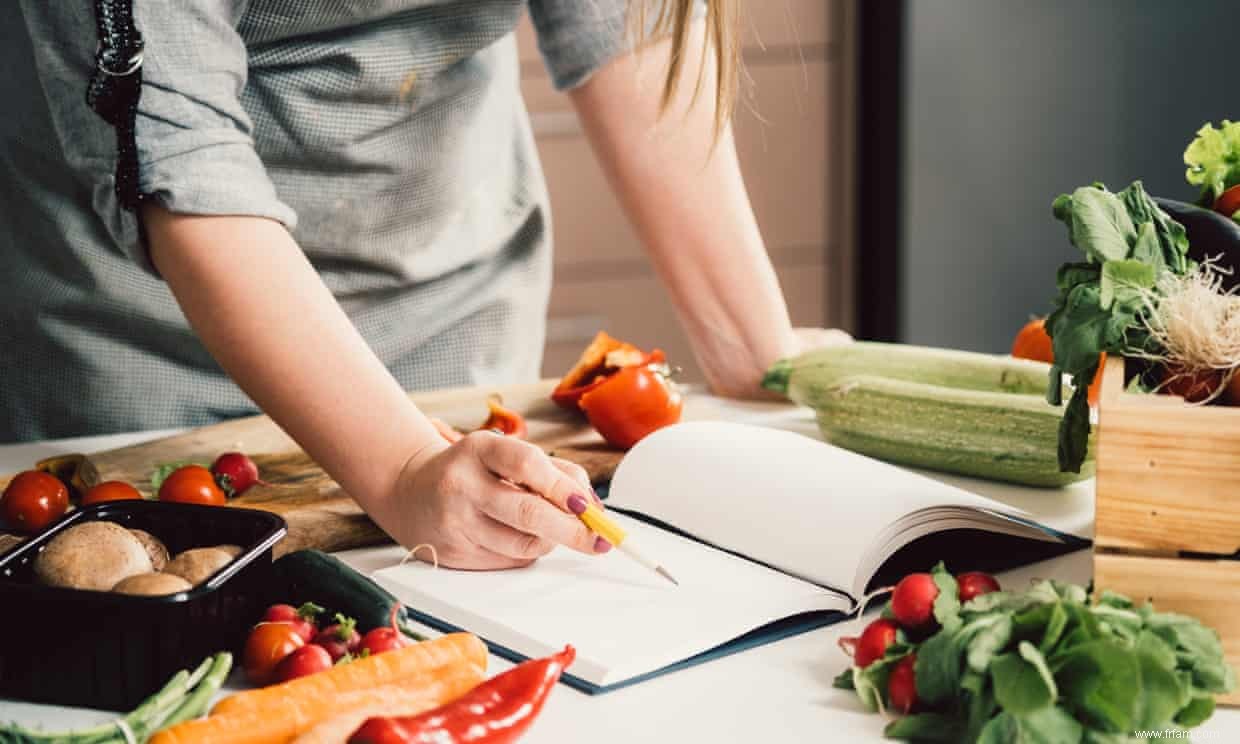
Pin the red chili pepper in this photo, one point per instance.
(497, 711)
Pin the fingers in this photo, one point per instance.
(817, 338)
(527, 465)
(497, 537)
(537, 521)
(579, 474)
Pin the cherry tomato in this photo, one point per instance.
(874, 641)
(902, 685)
(307, 660)
(1033, 342)
(191, 484)
(266, 647)
(111, 491)
(1228, 202)
(378, 640)
(33, 500)
(633, 403)
(975, 584)
(301, 618)
(504, 419)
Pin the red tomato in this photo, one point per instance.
(902, 685)
(874, 641)
(631, 404)
(307, 660)
(1033, 342)
(266, 647)
(33, 500)
(111, 491)
(378, 640)
(1228, 202)
(975, 584)
(191, 484)
(912, 602)
(301, 618)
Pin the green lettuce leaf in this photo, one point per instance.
(1213, 159)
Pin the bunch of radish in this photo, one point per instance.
(911, 614)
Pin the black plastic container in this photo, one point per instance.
(111, 651)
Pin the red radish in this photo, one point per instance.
(378, 640)
(301, 618)
(235, 473)
(307, 660)
(912, 602)
(902, 685)
(975, 584)
(874, 641)
(339, 639)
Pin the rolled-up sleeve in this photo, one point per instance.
(577, 37)
(195, 150)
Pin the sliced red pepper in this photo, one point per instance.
(633, 403)
(504, 419)
(604, 356)
(497, 711)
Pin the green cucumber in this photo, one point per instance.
(314, 576)
(1008, 437)
(802, 378)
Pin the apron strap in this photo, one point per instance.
(115, 88)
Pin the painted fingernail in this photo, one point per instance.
(577, 504)
(601, 545)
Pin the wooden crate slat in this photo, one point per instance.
(1206, 590)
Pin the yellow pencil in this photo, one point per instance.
(602, 525)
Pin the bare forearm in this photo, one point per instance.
(266, 316)
(691, 210)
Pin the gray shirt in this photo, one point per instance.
(389, 136)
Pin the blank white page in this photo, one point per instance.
(782, 498)
(623, 619)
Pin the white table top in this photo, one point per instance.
(780, 692)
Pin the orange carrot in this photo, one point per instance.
(372, 671)
(283, 721)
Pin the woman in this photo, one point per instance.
(342, 201)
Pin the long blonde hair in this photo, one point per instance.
(674, 19)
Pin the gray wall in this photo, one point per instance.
(1011, 102)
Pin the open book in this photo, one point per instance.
(769, 533)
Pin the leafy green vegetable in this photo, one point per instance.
(1049, 665)
(1213, 160)
(1129, 244)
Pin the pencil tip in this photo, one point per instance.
(663, 572)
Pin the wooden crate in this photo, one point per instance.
(1167, 523)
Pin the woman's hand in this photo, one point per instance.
(737, 372)
(490, 501)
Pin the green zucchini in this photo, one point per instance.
(314, 576)
(802, 378)
(1000, 436)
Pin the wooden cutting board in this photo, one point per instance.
(320, 514)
